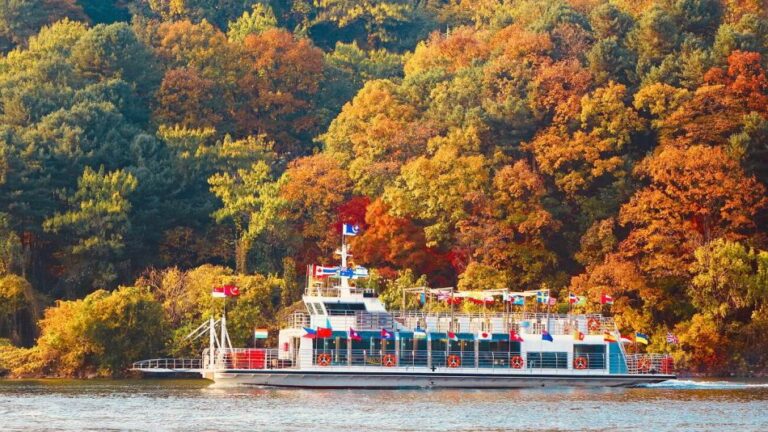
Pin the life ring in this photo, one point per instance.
(516, 362)
(454, 361)
(389, 360)
(644, 364)
(593, 324)
(667, 365)
(580, 363)
(324, 359)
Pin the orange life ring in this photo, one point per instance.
(324, 359)
(516, 362)
(580, 363)
(593, 324)
(389, 360)
(644, 364)
(454, 361)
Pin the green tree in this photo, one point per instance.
(95, 224)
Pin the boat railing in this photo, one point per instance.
(650, 363)
(298, 320)
(168, 364)
(498, 322)
(246, 359)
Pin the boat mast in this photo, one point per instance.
(344, 291)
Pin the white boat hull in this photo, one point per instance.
(400, 380)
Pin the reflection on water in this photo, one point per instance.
(195, 405)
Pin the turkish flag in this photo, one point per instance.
(225, 291)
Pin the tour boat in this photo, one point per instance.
(347, 338)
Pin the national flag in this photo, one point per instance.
(577, 335)
(606, 299)
(452, 336)
(419, 334)
(260, 333)
(582, 301)
(310, 333)
(552, 301)
(518, 300)
(641, 338)
(672, 339)
(359, 272)
(573, 298)
(542, 297)
(350, 230)
(546, 336)
(320, 271)
(386, 334)
(514, 337)
(627, 339)
(484, 336)
(609, 337)
(225, 291)
(353, 335)
(423, 298)
(324, 332)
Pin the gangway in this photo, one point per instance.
(169, 365)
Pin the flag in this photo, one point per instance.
(359, 272)
(310, 333)
(576, 299)
(386, 334)
(672, 339)
(552, 301)
(320, 271)
(641, 338)
(225, 291)
(546, 336)
(346, 272)
(627, 339)
(419, 334)
(542, 297)
(423, 298)
(353, 335)
(327, 331)
(518, 300)
(324, 332)
(609, 337)
(514, 337)
(350, 230)
(577, 335)
(452, 336)
(260, 333)
(484, 336)
(606, 299)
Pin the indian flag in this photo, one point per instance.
(260, 333)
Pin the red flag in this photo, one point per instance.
(324, 333)
(606, 299)
(514, 337)
(353, 335)
(225, 291)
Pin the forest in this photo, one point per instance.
(152, 149)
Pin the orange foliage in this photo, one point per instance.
(695, 194)
(187, 99)
(452, 52)
(276, 89)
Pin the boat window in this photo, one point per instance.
(319, 309)
(344, 308)
(548, 360)
(594, 355)
(310, 308)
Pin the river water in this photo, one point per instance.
(195, 405)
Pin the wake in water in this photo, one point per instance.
(707, 385)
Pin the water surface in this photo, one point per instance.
(195, 405)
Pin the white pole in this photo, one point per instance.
(211, 343)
